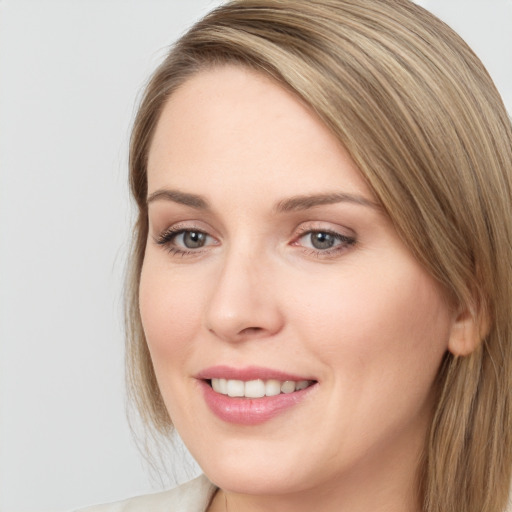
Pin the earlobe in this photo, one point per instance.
(468, 330)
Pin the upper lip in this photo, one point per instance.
(247, 373)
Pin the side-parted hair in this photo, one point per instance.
(422, 119)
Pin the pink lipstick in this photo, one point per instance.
(252, 395)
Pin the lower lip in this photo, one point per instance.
(251, 411)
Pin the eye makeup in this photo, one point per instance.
(187, 240)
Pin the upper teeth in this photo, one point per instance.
(257, 388)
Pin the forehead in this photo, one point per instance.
(237, 126)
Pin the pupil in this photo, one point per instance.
(193, 239)
(322, 240)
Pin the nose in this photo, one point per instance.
(243, 304)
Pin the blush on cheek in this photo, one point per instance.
(380, 324)
(170, 314)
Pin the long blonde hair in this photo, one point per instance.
(420, 116)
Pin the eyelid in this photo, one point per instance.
(325, 227)
(184, 225)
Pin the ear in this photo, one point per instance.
(468, 330)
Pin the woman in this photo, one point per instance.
(321, 284)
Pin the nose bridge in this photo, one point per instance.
(243, 303)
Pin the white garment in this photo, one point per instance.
(194, 496)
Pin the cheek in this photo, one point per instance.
(377, 331)
(170, 313)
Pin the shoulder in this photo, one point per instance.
(194, 496)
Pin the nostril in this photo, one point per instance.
(251, 330)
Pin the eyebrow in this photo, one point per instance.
(295, 203)
(298, 203)
(192, 200)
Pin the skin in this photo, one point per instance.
(363, 319)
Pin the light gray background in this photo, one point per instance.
(70, 75)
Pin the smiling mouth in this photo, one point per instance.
(257, 388)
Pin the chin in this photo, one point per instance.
(264, 479)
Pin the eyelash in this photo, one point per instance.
(344, 242)
(167, 240)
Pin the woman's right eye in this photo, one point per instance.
(191, 239)
(185, 241)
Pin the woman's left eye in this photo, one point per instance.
(322, 241)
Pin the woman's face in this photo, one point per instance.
(269, 260)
